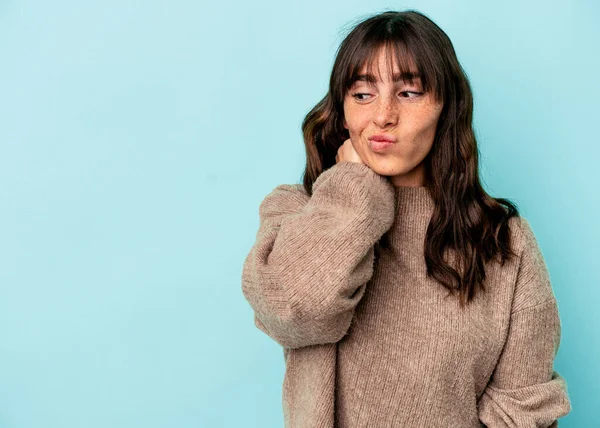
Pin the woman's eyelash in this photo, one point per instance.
(402, 92)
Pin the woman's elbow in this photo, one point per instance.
(293, 332)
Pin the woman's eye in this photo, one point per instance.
(404, 95)
(358, 94)
(411, 92)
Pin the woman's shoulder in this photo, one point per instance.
(284, 198)
(293, 191)
(533, 282)
(294, 188)
(521, 232)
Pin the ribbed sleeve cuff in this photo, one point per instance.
(359, 181)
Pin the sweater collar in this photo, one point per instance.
(414, 200)
(414, 207)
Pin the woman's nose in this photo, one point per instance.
(386, 112)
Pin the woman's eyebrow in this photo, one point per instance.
(370, 78)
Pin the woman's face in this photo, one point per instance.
(398, 110)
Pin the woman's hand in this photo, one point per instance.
(346, 153)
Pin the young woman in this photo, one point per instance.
(402, 293)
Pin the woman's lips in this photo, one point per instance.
(383, 137)
(380, 146)
(381, 142)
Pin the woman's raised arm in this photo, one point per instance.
(313, 255)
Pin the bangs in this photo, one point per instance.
(412, 61)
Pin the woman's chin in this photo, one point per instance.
(385, 167)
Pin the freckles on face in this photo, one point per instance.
(413, 123)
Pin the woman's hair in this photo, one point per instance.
(466, 220)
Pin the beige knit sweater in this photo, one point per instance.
(370, 341)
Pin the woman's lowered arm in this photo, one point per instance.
(525, 391)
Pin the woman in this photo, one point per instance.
(402, 293)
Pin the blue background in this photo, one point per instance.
(137, 141)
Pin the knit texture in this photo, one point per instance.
(339, 280)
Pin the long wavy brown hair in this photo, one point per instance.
(466, 222)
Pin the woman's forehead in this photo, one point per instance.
(397, 75)
(399, 63)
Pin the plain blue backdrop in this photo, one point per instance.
(138, 139)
